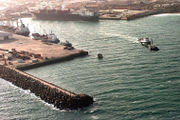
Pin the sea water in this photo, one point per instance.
(129, 83)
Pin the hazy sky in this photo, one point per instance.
(4, 1)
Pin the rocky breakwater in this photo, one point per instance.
(141, 14)
(50, 93)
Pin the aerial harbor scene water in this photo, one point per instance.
(90, 60)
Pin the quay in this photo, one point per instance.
(20, 53)
(34, 52)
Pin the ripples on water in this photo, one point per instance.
(129, 83)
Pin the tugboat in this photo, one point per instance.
(100, 56)
(145, 41)
(22, 30)
(153, 48)
(68, 45)
(148, 43)
(48, 38)
(52, 38)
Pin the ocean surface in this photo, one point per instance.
(129, 83)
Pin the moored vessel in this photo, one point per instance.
(47, 38)
(49, 12)
(64, 15)
(22, 30)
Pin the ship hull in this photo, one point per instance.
(63, 17)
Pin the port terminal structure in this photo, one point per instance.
(22, 53)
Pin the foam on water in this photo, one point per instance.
(165, 15)
(122, 36)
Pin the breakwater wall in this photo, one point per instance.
(50, 93)
(140, 15)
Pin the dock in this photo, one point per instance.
(35, 50)
(20, 53)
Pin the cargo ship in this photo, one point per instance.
(65, 14)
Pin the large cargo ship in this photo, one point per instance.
(48, 11)
(65, 15)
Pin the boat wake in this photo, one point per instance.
(129, 38)
(123, 36)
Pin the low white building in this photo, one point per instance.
(5, 35)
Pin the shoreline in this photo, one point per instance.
(130, 15)
(133, 14)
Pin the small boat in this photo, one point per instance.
(100, 56)
(52, 38)
(48, 38)
(68, 45)
(145, 41)
(22, 30)
(148, 43)
(153, 48)
(37, 36)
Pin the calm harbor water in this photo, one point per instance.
(130, 83)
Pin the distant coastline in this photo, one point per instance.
(107, 10)
(130, 15)
(134, 14)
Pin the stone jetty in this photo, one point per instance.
(50, 93)
(21, 53)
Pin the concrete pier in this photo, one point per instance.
(50, 93)
(22, 53)
(34, 52)
(51, 61)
